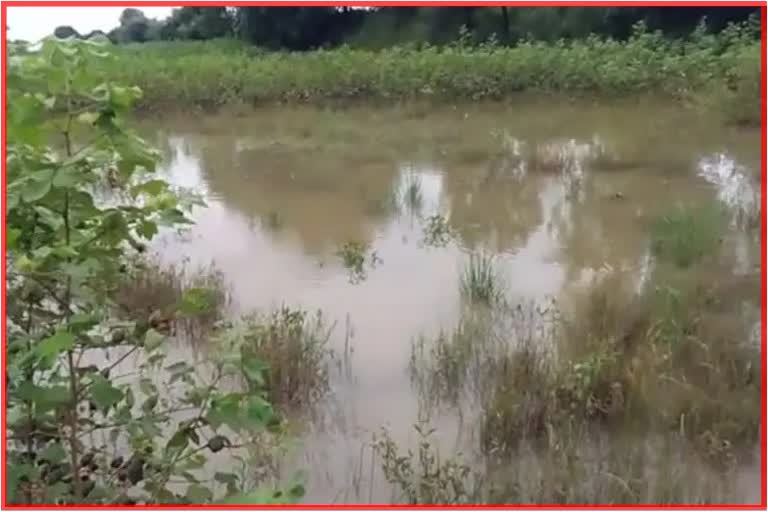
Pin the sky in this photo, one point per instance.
(34, 23)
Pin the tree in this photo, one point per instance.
(198, 23)
(135, 27)
(65, 31)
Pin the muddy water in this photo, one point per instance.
(286, 188)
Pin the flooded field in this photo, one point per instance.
(406, 225)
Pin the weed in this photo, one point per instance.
(293, 346)
(412, 194)
(356, 256)
(172, 298)
(421, 477)
(437, 231)
(480, 280)
(685, 234)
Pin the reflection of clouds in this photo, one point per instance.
(734, 186)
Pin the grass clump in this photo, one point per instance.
(294, 348)
(480, 281)
(686, 234)
(357, 257)
(437, 231)
(172, 298)
(629, 362)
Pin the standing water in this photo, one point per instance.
(556, 194)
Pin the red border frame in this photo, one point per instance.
(763, 505)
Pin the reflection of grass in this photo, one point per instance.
(272, 221)
(684, 234)
(413, 197)
(480, 280)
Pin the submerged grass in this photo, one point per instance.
(215, 73)
(686, 234)
(577, 469)
(172, 297)
(480, 280)
(630, 362)
(647, 396)
(294, 347)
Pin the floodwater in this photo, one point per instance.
(287, 187)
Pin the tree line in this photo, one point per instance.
(307, 28)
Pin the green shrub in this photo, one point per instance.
(686, 234)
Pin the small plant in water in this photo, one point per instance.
(480, 280)
(355, 256)
(437, 231)
(421, 477)
(292, 348)
(273, 221)
(412, 194)
(685, 234)
(171, 298)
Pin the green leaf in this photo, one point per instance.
(199, 495)
(147, 229)
(88, 118)
(153, 339)
(225, 478)
(152, 188)
(149, 404)
(11, 237)
(104, 393)
(67, 177)
(254, 369)
(259, 410)
(50, 348)
(53, 453)
(197, 301)
(38, 186)
(189, 477)
(179, 440)
(81, 322)
(122, 97)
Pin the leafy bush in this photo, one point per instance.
(87, 422)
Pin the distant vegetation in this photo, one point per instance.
(724, 69)
(308, 28)
(213, 56)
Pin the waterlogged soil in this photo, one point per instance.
(287, 187)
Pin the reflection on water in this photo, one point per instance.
(735, 188)
(281, 203)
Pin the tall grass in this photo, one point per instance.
(187, 301)
(629, 363)
(686, 234)
(214, 73)
(294, 347)
(481, 281)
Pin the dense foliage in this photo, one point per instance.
(86, 419)
(304, 28)
(724, 66)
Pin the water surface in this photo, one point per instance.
(287, 187)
